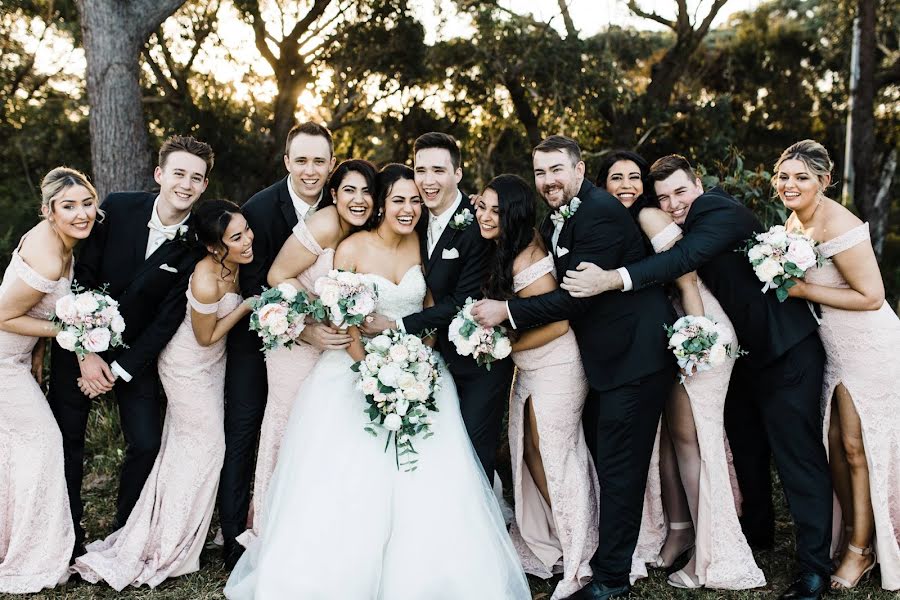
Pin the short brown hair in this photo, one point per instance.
(666, 166)
(186, 143)
(436, 139)
(559, 143)
(309, 128)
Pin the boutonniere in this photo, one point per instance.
(182, 232)
(559, 217)
(462, 220)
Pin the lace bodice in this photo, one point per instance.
(397, 300)
(828, 274)
(534, 272)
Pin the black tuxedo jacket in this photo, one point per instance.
(271, 215)
(620, 335)
(454, 272)
(716, 226)
(151, 292)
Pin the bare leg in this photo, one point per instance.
(853, 564)
(840, 475)
(532, 452)
(674, 502)
(687, 451)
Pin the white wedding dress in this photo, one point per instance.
(343, 522)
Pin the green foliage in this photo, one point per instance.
(752, 187)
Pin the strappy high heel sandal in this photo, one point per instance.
(843, 584)
(659, 563)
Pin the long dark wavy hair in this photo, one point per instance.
(516, 206)
(211, 219)
(356, 165)
(389, 174)
(648, 198)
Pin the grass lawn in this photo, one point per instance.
(104, 455)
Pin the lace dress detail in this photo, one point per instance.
(36, 535)
(167, 528)
(723, 557)
(562, 539)
(860, 346)
(286, 368)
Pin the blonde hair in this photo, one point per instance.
(60, 179)
(814, 157)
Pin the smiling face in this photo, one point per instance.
(309, 161)
(238, 240)
(557, 177)
(487, 213)
(436, 179)
(676, 193)
(73, 212)
(353, 199)
(402, 207)
(624, 181)
(797, 187)
(181, 179)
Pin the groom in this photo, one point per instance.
(773, 399)
(454, 256)
(622, 343)
(141, 250)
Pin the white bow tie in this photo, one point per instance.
(557, 219)
(169, 232)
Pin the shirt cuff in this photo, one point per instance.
(627, 285)
(400, 326)
(509, 315)
(118, 370)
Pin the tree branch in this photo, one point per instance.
(150, 14)
(571, 32)
(637, 10)
(888, 76)
(707, 22)
(316, 11)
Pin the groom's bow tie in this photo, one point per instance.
(558, 219)
(168, 231)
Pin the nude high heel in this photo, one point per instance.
(843, 584)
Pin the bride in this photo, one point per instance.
(342, 521)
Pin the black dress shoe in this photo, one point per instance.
(231, 553)
(807, 586)
(600, 591)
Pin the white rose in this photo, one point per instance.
(412, 344)
(288, 292)
(759, 252)
(725, 334)
(777, 236)
(401, 407)
(96, 340)
(362, 305)
(67, 340)
(347, 278)
(373, 361)
(65, 308)
(677, 340)
(369, 385)
(380, 398)
(381, 342)
(768, 269)
(269, 313)
(406, 380)
(328, 290)
(118, 324)
(85, 303)
(464, 347)
(455, 324)
(801, 254)
(398, 353)
(717, 355)
(502, 348)
(393, 422)
(278, 325)
(388, 374)
(467, 310)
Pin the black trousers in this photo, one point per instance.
(246, 388)
(141, 421)
(620, 428)
(775, 410)
(483, 398)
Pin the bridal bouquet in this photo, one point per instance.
(485, 345)
(278, 316)
(778, 255)
(89, 322)
(344, 298)
(400, 378)
(700, 344)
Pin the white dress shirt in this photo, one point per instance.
(303, 210)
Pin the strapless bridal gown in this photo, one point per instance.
(344, 522)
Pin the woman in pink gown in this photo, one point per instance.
(554, 479)
(861, 396)
(167, 528)
(307, 255)
(36, 535)
(692, 487)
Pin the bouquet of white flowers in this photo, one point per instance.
(400, 378)
(485, 345)
(89, 321)
(278, 315)
(700, 344)
(778, 255)
(344, 298)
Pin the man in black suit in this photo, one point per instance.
(773, 399)
(622, 343)
(142, 249)
(272, 214)
(455, 262)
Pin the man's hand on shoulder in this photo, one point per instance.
(590, 280)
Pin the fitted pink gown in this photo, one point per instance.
(562, 539)
(723, 557)
(286, 368)
(861, 347)
(167, 528)
(36, 535)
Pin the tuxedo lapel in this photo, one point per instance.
(163, 252)
(286, 205)
(447, 237)
(422, 230)
(141, 232)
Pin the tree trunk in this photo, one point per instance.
(114, 33)
(862, 143)
(518, 95)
